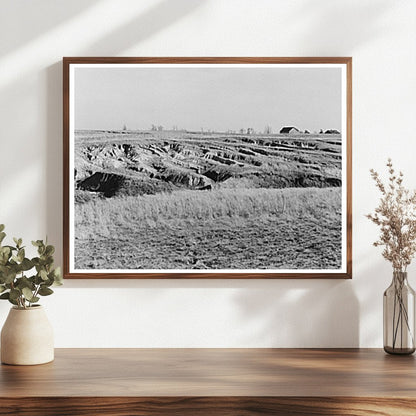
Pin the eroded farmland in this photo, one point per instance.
(180, 200)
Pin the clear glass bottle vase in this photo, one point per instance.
(399, 316)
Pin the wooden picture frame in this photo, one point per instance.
(266, 140)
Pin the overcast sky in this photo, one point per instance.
(210, 98)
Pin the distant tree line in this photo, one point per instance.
(249, 130)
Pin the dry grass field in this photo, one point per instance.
(243, 229)
(180, 200)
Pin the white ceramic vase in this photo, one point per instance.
(27, 337)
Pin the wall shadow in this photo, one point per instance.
(302, 314)
(54, 143)
(157, 18)
(336, 17)
(36, 17)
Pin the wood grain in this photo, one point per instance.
(67, 61)
(214, 372)
(212, 381)
(207, 406)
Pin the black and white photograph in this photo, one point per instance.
(207, 168)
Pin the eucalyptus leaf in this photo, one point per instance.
(4, 255)
(58, 280)
(30, 297)
(9, 277)
(56, 273)
(43, 275)
(38, 280)
(5, 250)
(24, 282)
(26, 264)
(27, 293)
(16, 284)
(46, 260)
(49, 250)
(45, 291)
(13, 301)
(14, 267)
(15, 293)
(21, 255)
(48, 282)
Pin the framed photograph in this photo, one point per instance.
(207, 168)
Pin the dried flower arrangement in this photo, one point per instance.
(396, 217)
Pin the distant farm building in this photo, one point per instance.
(289, 130)
(332, 131)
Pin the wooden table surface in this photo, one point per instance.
(212, 381)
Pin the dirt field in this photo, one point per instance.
(187, 200)
(138, 163)
(236, 229)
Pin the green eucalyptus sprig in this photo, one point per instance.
(15, 285)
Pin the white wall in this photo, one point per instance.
(380, 35)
